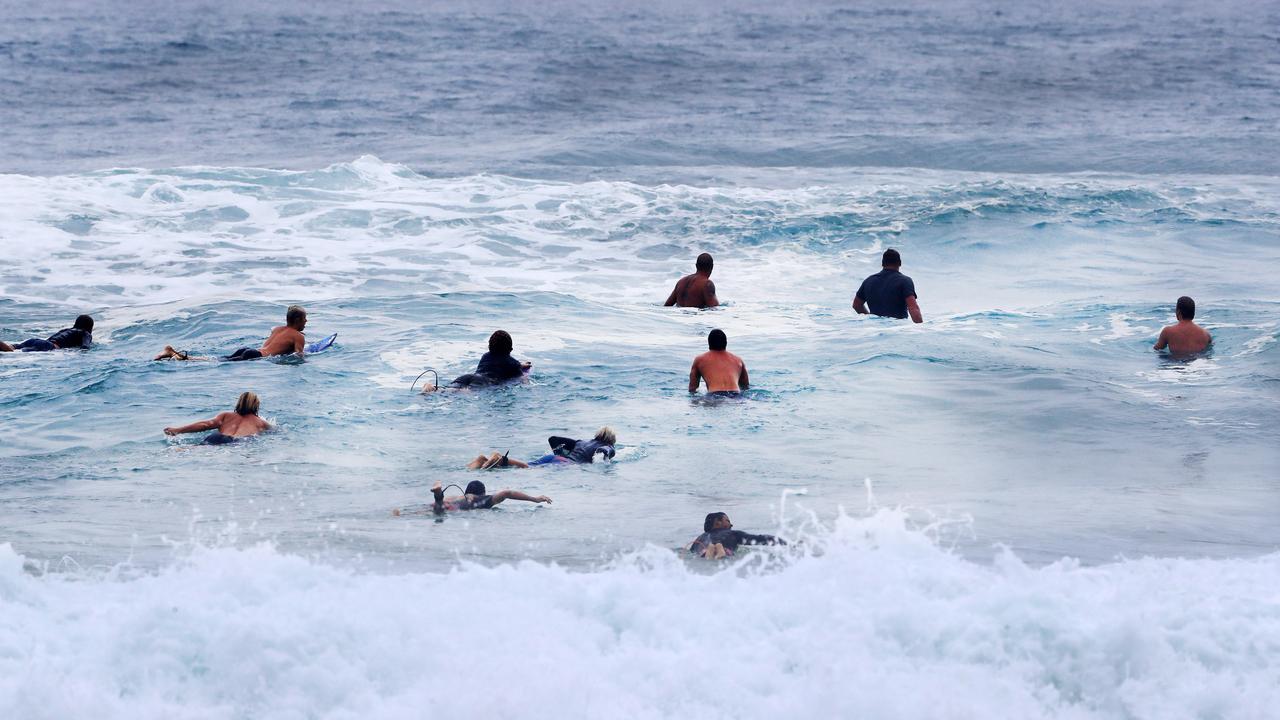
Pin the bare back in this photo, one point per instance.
(722, 370)
(282, 341)
(235, 425)
(695, 291)
(1184, 338)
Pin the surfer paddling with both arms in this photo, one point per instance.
(724, 372)
(283, 340)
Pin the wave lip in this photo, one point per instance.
(876, 621)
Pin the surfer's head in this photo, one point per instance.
(716, 521)
(247, 404)
(891, 259)
(705, 263)
(1186, 308)
(606, 436)
(295, 317)
(85, 323)
(500, 342)
(717, 340)
(475, 487)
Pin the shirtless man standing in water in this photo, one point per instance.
(723, 371)
(283, 340)
(1185, 338)
(696, 290)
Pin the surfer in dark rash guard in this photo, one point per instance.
(283, 340)
(563, 450)
(719, 540)
(228, 426)
(495, 367)
(78, 337)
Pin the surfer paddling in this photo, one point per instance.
(888, 293)
(495, 367)
(283, 340)
(696, 290)
(228, 426)
(719, 540)
(1185, 337)
(77, 337)
(475, 497)
(724, 372)
(563, 450)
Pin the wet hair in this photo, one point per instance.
(293, 315)
(247, 404)
(717, 340)
(1186, 308)
(85, 323)
(500, 342)
(705, 263)
(710, 523)
(606, 435)
(475, 487)
(891, 258)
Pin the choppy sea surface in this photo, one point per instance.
(1016, 509)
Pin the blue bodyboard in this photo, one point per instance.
(322, 345)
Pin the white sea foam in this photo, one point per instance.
(875, 621)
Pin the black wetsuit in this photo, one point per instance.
(491, 370)
(217, 438)
(579, 451)
(731, 539)
(886, 293)
(65, 339)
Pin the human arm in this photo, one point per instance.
(211, 424)
(671, 299)
(913, 309)
(859, 305)
(709, 298)
(517, 495)
(749, 539)
(695, 377)
(1162, 342)
(744, 382)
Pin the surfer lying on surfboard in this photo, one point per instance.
(283, 340)
(228, 426)
(563, 450)
(475, 498)
(495, 367)
(719, 540)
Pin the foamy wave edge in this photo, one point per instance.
(873, 619)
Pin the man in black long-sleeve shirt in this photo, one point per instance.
(720, 540)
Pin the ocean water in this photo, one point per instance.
(1016, 509)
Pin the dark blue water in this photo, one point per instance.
(565, 88)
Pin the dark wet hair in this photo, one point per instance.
(294, 314)
(500, 342)
(709, 524)
(247, 404)
(717, 340)
(475, 487)
(705, 263)
(85, 323)
(891, 258)
(1186, 308)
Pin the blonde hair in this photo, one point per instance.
(606, 436)
(247, 404)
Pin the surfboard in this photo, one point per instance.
(322, 345)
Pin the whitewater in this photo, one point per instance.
(1016, 509)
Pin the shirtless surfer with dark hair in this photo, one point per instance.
(723, 371)
(283, 340)
(1186, 337)
(696, 290)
